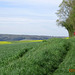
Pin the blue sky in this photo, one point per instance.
(30, 17)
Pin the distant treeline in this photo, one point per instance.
(9, 37)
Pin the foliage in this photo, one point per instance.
(68, 62)
(66, 15)
(41, 58)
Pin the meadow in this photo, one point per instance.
(48, 57)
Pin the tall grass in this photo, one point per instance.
(41, 58)
(68, 62)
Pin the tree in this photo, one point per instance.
(66, 15)
(72, 15)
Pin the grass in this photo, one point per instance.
(68, 62)
(49, 57)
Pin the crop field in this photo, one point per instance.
(48, 57)
(5, 42)
(22, 41)
(26, 41)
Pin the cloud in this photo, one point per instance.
(32, 30)
(11, 19)
(52, 2)
(23, 20)
(29, 17)
(19, 11)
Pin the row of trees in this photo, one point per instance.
(66, 15)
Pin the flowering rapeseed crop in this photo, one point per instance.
(22, 41)
(31, 41)
(5, 42)
(67, 38)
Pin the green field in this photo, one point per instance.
(49, 57)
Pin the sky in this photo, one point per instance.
(30, 17)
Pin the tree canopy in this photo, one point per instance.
(66, 15)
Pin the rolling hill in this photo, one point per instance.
(51, 57)
(9, 37)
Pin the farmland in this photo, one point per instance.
(21, 41)
(5, 42)
(48, 57)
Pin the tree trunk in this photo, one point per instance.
(74, 30)
(71, 33)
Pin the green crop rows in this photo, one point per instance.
(50, 57)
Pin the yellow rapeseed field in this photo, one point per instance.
(22, 41)
(5, 42)
(67, 38)
(31, 40)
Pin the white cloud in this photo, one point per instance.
(30, 17)
(52, 2)
(23, 20)
(21, 11)
(32, 30)
(11, 19)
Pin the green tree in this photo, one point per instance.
(66, 15)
